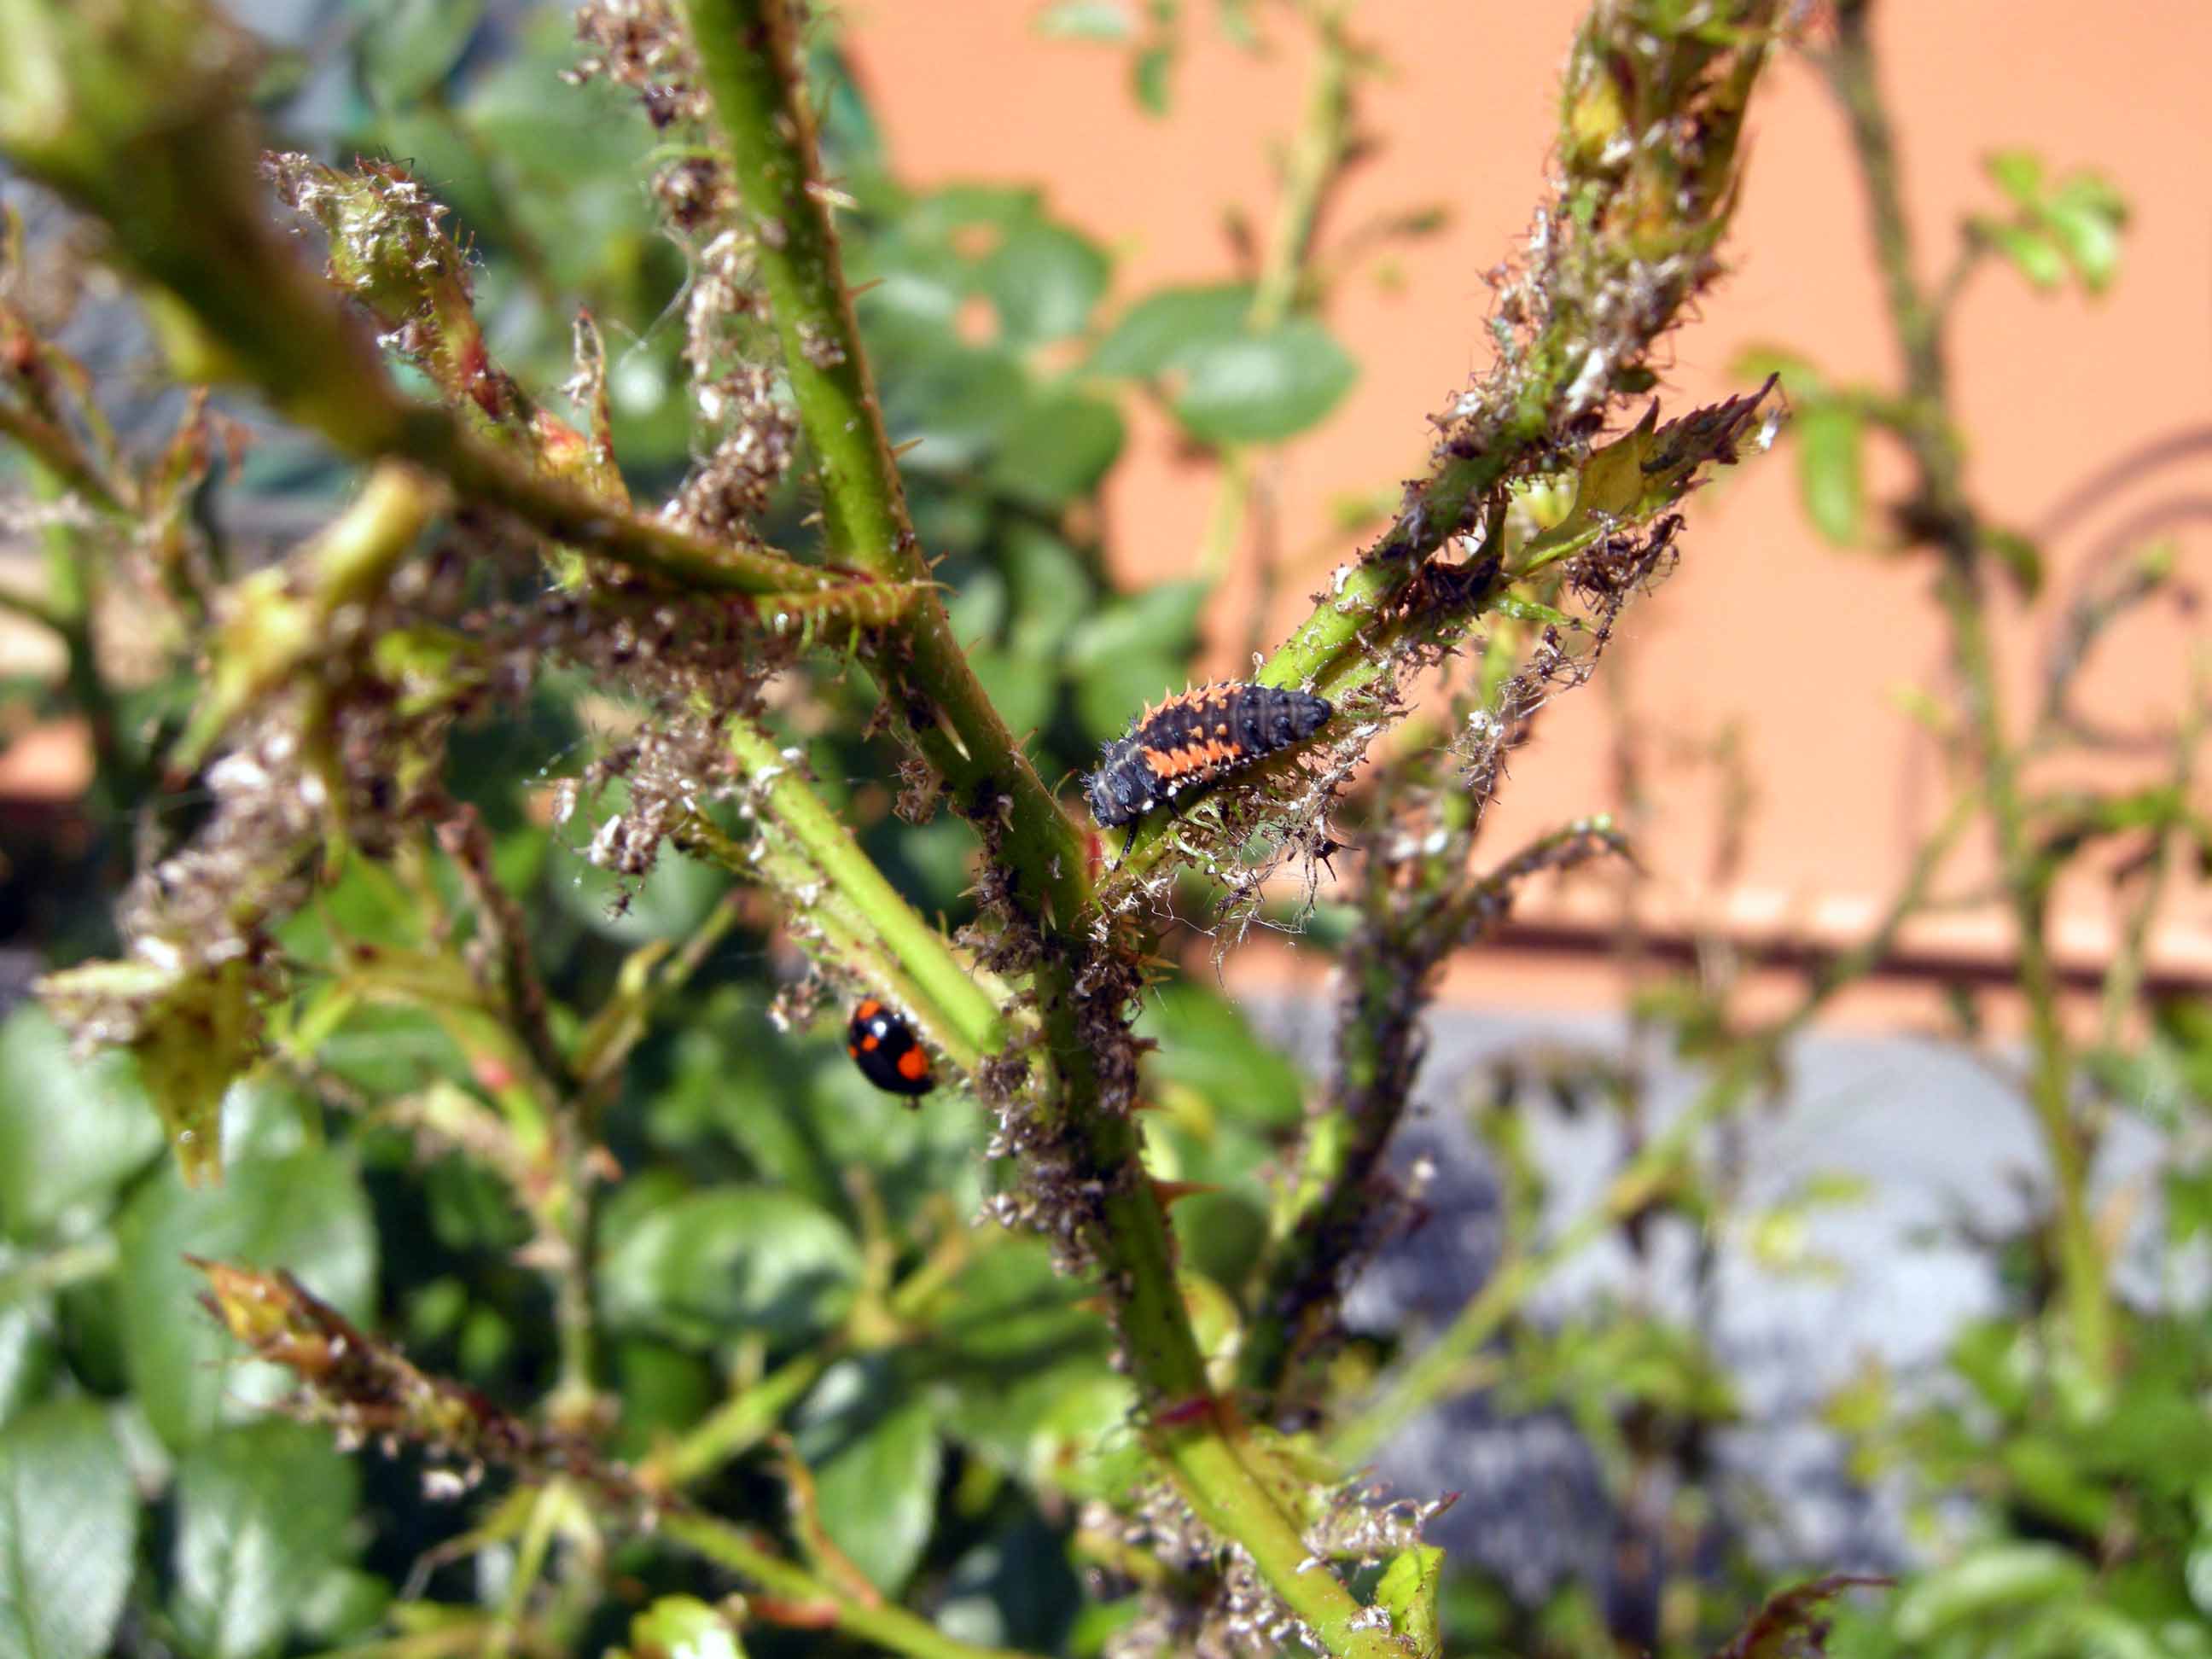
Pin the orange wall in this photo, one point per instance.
(1798, 644)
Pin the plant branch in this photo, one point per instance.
(749, 51)
(1634, 216)
(64, 460)
(1942, 516)
(1418, 910)
(1438, 1371)
(138, 114)
(365, 1387)
(2123, 976)
(835, 888)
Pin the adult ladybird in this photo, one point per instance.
(886, 1050)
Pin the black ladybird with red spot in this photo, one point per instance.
(1195, 739)
(886, 1050)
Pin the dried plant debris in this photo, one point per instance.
(642, 44)
(369, 1393)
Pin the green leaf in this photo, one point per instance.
(876, 1464)
(1163, 617)
(1134, 652)
(28, 1352)
(2020, 557)
(961, 404)
(668, 904)
(1408, 1589)
(305, 1213)
(1044, 279)
(2019, 174)
(263, 1512)
(1151, 74)
(70, 1130)
(1520, 609)
(69, 1524)
(409, 47)
(1022, 689)
(1644, 471)
(684, 1627)
(1015, 1588)
(1052, 590)
(2010, 1577)
(2032, 252)
(1264, 388)
(2050, 1482)
(1059, 454)
(729, 1261)
(2189, 1202)
(2085, 217)
(1208, 1044)
(1162, 329)
(1831, 471)
(581, 137)
(1086, 20)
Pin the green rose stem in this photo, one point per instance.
(748, 51)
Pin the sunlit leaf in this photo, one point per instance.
(1830, 470)
(873, 1446)
(2032, 252)
(1262, 388)
(1162, 329)
(70, 1129)
(1086, 20)
(730, 1262)
(408, 46)
(2009, 1576)
(305, 1213)
(263, 1513)
(2019, 174)
(684, 1627)
(2085, 217)
(68, 1518)
(194, 1031)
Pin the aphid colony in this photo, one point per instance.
(1194, 739)
(1186, 743)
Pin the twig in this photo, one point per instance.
(1550, 389)
(835, 889)
(142, 119)
(1417, 911)
(1435, 1373)
(1942, 516)
(366, 1387)
(748, 50)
